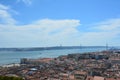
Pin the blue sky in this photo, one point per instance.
(37, 23)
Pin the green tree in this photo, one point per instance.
(10, 78)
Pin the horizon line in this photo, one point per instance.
(61, 46)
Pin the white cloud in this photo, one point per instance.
(5, 16)
(100, 33)
(46, 32)
(27, 2)
(2, 7)
(112, 24)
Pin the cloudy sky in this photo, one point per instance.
(37, 23)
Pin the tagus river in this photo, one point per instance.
(9, 57)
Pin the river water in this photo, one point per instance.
(8, 57)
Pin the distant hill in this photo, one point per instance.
(48, 48)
